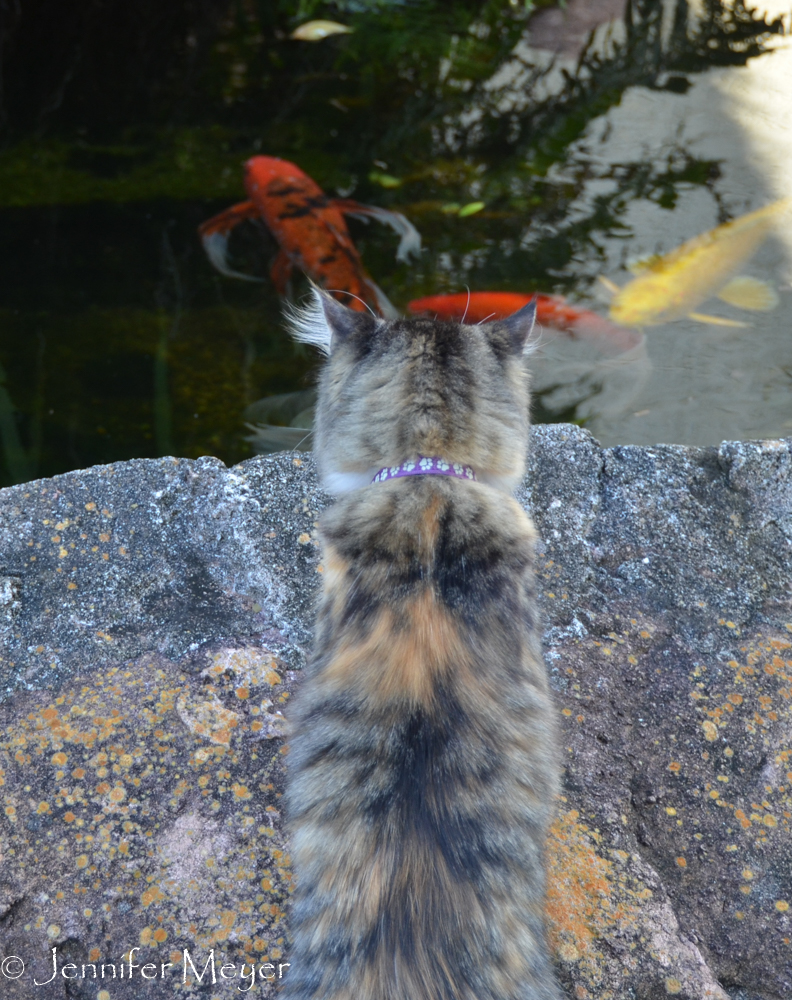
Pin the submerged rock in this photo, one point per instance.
(156, 615)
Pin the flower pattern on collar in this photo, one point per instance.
(423, 466)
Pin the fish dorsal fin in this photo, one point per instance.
(644, 264)
(749, 293)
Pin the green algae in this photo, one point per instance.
(188, 164)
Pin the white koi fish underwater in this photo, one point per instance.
(315, 31)
(672, 286)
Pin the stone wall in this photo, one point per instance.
(155, 617)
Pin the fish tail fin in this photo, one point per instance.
(603, 333)
(386, 308)
(749, 293)
(214, 236)
(410, 238)
(624, 375)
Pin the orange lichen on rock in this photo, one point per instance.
(252, 666)
(207, 717)
(586, 897)
(159, 778)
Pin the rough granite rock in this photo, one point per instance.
(155, 616)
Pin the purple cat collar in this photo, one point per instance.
(425, 467)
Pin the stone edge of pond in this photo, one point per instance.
(161, 615)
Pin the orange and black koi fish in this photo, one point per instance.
(551, 310)
(311, 232)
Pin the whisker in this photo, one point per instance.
(467, 304)
(297, 446)
(343, 291)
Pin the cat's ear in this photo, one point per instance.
(343, 322)
(326, 323)
(519, 326)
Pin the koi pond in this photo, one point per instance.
(627, 160)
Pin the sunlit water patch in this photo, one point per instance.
(704, 382)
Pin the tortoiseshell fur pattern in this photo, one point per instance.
(423, 762)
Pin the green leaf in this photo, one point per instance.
(471, 208)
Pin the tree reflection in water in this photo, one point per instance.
(124, 127)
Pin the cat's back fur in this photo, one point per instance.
(422, 763)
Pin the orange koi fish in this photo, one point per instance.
(551, 310)
(311, 232)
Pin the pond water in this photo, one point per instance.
(576, 141)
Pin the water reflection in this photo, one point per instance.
(524, 171)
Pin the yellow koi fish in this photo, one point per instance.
(672, 286)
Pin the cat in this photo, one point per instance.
(423, 763)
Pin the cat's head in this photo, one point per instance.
(394, 389)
